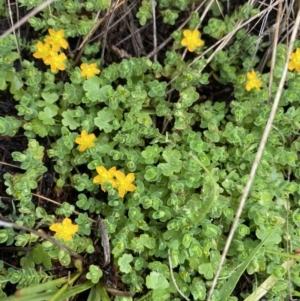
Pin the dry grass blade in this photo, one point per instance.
(173, 279)
(111, 13)
(275, 42)
(25, 18)
(15, 36)
(154, 30)
(87, 38)
(257, 157)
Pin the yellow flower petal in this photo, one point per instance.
(43, 50)
(124, 183)
(295, 61)
(85, 141)
(56, 39)
(105, 175)
(191, 39)
(253, 81)
(64, 230)
(56, 61)
(89, 70)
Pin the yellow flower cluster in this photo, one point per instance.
(85, 141)
(116, 178)
(253, 81)
(113, 176)
(191, 39)
(295, 61)
(64, 230)
(49, 51)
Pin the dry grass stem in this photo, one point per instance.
(25, 18)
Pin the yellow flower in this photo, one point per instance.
(124, 183)
(253, 81)
(56, 39)
(64, 230)
(295, 60)
(89, 70)
(43, 50)
(191, 39)
(105, 175)
(56, 61)
(85, 141)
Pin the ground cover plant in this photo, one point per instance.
(149, 150)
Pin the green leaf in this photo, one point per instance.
(208, 269)
(69, 120)
(50, 97)
(104, 120)
(144, 12)
(9, 125)
(156, 281)
(106, 92)
(160, 295)
(3, 84)
(157, 89)
(15, 82)
(124, 263)
(3, 235)
(47, 115)
(159, 267)
(41, 256)
(198, 289)
(94, 274)
(174, 164)
(72, 93)
(92, 88)
(64, 257)
(147, 241)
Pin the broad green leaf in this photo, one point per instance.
(147, 241)
(156, 281)
(92, 88)
(94, 274)
(208, 269)
(104, 120)
(3, 84)
(50, 97)
(39, 128)
(160, 295)
(41, 256)
(173, 165)
(198, 289)
(15, 82)
(47, 116)
(124, 263)
(105, 92)
(64, 258)
(69, 120)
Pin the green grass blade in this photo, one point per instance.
(230, 284)
(75, 290)
(268, 283)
